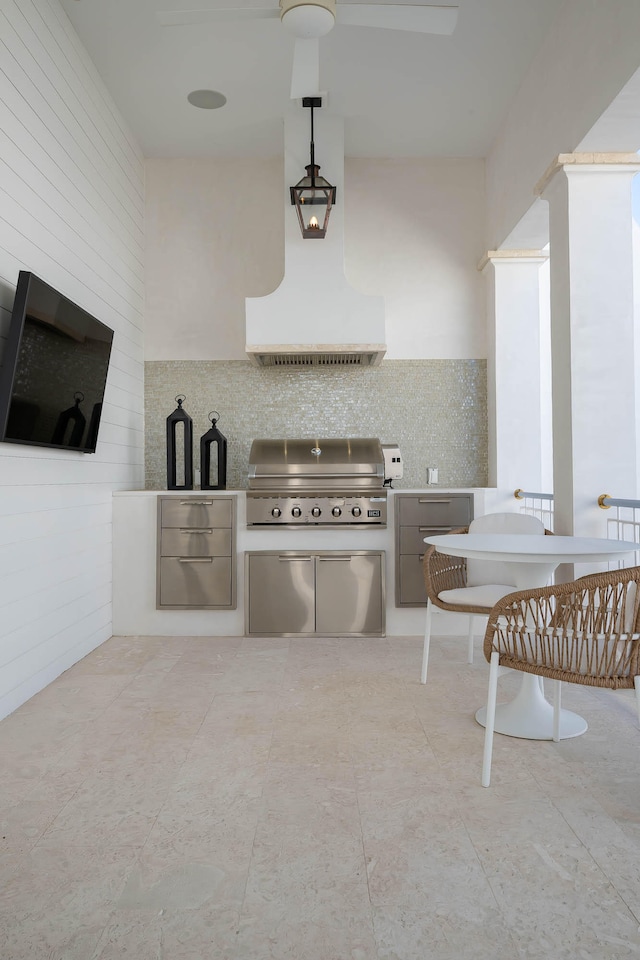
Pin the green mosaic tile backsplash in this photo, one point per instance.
(435, 410)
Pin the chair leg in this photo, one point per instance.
(636, 683)
(427, 641)
(490, 718)
(470, 639)
(557, 707)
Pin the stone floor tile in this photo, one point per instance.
(275, 799)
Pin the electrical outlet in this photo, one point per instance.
(432, 474)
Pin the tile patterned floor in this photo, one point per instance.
(233, 799)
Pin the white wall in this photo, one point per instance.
(414, 233)
(71, 211)
(588, 56)
(215, 235)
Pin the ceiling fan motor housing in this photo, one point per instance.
(308, 20)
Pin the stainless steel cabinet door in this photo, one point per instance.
(350, 595)
(281, 594)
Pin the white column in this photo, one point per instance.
(517, 434)
(592, 335)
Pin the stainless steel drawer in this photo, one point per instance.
(411, 584)
(196, 512)
(412, 538)
(195, 542)
(420, 515)
(448, 510)
(195, 582)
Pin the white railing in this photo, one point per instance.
(624, 522)
(538, 505)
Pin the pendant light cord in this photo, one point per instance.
(312, 153)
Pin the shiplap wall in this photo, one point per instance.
(71, 211)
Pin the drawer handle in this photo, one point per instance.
(195, 559)
(198, 503)
(429, 500)
(292, 559)
(421, 557)
(425, 529)
(342, 559)
(195, 530)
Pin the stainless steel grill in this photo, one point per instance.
(332, 482)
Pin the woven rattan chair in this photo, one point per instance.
(471, 586)
(586, 631)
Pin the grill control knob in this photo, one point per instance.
(276, 512)
(316, 511)
(296, 512)
(356, 511)
(337, 512)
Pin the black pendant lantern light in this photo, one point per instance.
(213, 455)
(179, 448)
(313, 191)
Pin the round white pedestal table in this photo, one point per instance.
(534, 557)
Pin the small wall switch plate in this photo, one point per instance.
(432, 474)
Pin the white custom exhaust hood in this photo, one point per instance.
(315, 318)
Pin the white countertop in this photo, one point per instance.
(222, 493)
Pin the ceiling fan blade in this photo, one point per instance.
(417, 19)
(179, 18)
(305, 76)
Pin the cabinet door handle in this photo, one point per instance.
(195, 559)
(292, 559)
(429, 500)
(196, 530)
(341, 559)
(199, 503)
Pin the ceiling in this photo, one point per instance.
(402, 94)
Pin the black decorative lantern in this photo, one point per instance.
(313, 191)
(179, 447)
(73, 415)
(213, 456)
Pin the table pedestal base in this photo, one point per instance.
(530, 716)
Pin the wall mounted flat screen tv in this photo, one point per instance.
(54, 370)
